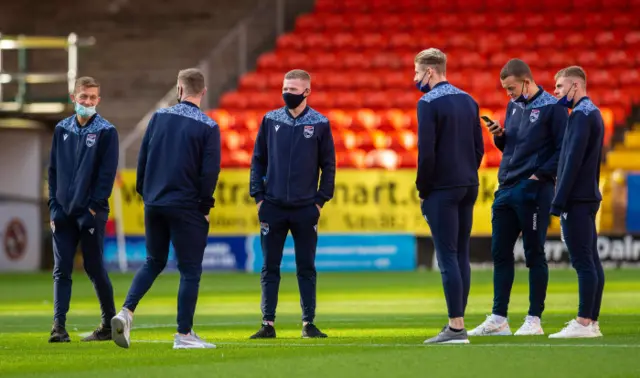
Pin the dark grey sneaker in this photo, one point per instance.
(447, 336)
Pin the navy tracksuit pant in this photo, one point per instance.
(87, 230)
(449, 213)
(578, 225)
(275, 224)
(523, 208)
(187, 230)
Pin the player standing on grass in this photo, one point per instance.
(84, 161)
(450, 150)
(178, 170)
(294, 143)
(530, 143)
(578, 198)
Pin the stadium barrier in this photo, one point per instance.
(366, 201)
(373, 223)
(633, 203)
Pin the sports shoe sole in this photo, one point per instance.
(193, 347)
(450, 342)
(117, 332)
(505, 332)
(553, 336)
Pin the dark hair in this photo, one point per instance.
(516, 68)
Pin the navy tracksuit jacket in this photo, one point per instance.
(82, 170)
(531, 143)
(578, 198)
(178, 169)
(450, 150)
(288, 158)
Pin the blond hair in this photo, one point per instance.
(433, 58)
(576, 72)
(85, 82)
(192, 80)
(297, 74)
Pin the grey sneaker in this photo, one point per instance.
(190, 341)
(121, 328)
(447, 336)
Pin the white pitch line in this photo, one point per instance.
(250, 344)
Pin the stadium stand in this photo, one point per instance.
(153, 41)
(360, 54)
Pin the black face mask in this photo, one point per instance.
(179, 96)
(293, 100)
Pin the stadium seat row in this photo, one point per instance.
(354, 99)
(493, 41)
(360, 158)
(472, 80)
(611, 19)
(332, 61)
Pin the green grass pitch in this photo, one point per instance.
(376, 324)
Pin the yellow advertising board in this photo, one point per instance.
(365, 201)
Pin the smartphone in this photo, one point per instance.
(488, 120)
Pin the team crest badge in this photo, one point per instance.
(91, 140)
(264, 228)
(308, 131)
(535, 113)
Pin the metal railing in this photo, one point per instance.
(23, 78)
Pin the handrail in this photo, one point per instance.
(22, 43)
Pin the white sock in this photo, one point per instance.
(498, 319)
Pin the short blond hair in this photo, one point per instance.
(192, 80)
(574, 72)
(434, 58)
(85, 82)
(297, 74)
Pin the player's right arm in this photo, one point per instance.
(499, 133)
(53, 178)
(259, 162)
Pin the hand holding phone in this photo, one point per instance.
(494, 126)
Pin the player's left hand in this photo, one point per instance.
(319, 208)
(92, 212)
(206, 217)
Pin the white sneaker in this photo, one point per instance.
(574, 330)
(490, 327)
(190, 341)
(121, 328)
(595, 326)
(531, 327)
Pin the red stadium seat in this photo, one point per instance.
(308, 23)
(361, 56)
(290, 42)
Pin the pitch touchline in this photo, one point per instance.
(252, 344)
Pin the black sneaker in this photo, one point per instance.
(59, 334)
(265, 332)
(310, 331)
(102, 333)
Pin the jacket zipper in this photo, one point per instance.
(75, 165)
(293, 130)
